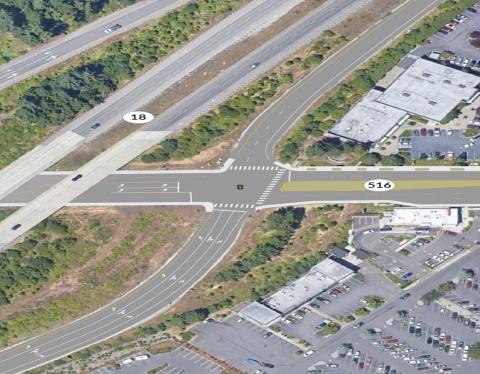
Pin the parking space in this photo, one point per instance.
(440, 144)
(362, 222)
(347, 296)
(305, 327)
(180, 361)
(246, 346)
(455, 38)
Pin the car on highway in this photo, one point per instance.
(16, 226)
(405, 296)
(112, 28)
(95, 125)
(77, 177)
(255, 65)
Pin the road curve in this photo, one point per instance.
(206, 247)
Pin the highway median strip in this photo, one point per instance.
(400, 185)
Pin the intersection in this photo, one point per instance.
(249, 181)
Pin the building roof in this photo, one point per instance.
(361, 254)
(259, 313)
(320, 277)
(430, 217)
(368, 121)
(339, 252)
(430, 89)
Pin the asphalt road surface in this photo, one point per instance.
(88, 36)
(242, 189)
(246, 21)
(203, 250)
(241, 184)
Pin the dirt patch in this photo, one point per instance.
(182, 89)
(174, 224)
(365, 17)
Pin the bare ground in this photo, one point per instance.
(120, 220)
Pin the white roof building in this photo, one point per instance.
(427, 217)
(369, 121)
(430, 89)
(320, 277)
(260, 313)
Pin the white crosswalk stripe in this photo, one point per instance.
(271, 185)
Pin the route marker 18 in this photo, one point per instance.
(379, 185)
(138, 117)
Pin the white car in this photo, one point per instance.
(308, 353)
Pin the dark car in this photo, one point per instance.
(454, 315)
(405, 296)
(266, 365)
(411, 329)
(435, 343)
(77, 177)
(16, 226)
(96, 125)
(429, 340)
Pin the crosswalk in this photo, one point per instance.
(233, 206)
(257, 168)
(271, 186)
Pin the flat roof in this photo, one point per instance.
(259, 313)
(368, 121)
(333, 269)
(431, 217)
(430, 89)
(320, 277)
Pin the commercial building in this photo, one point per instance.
(369, 122)
(423, 217)
(322, 276)
(430, 90)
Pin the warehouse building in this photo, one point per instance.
(369, 122)
(430, 90)
(321, 277)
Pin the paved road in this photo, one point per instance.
(214, 237)
(259, 188)
(203, 250)
(88, 36)
(246, 21)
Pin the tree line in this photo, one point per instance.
(322, 119)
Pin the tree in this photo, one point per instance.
(474, 351)
(371, 159)
(374, 302)
(393, 160)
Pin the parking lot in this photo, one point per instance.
(456, 40)
(245, 345)
(360, 222)
(180, 361)
(440, 145)
(345, 302)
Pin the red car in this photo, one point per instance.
(423, 132)
(361, 365)
(469, 284)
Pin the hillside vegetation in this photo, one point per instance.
(31, 22)
(34, 107)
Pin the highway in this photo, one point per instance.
(251, 182)
(207, 246)
(246, 21)
(62, 48)
(174, 118)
